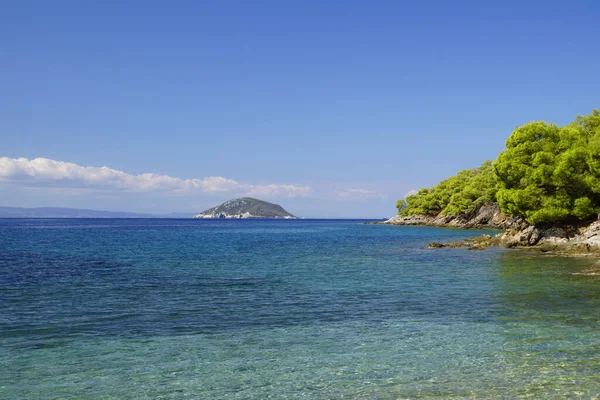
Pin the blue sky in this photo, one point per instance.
(332, 109)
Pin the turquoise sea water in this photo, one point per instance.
(185, 309)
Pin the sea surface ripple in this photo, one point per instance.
(286, 309)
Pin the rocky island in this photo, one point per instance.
(246, 207)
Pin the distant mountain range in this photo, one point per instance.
(60, 212)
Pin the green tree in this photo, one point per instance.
(549, 174)
(458, 194)
(546, 174)
(401, 205)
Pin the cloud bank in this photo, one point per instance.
(42, 172)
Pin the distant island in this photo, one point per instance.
(246, 207)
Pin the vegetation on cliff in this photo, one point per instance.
(458, 194)
(546, 174)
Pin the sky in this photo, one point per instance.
(331, 109)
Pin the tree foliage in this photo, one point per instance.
(546, 174)
(550, 174)
(461, 193)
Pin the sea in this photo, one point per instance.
(287, 309)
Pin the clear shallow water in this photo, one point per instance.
(134, 309)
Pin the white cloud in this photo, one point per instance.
(42, 172)
(356, 194)
(410, 193)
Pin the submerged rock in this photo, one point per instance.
(593, 271)
(474, 243)
(436, 245)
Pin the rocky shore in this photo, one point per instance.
(561, 239)
(487, 216)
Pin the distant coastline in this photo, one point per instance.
(63, 212)
(66, 212)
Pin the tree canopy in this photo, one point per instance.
(546, 174)
(458, 194)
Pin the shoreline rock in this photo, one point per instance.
(577, 239)
(473, 243)
(562, 239)
(488, 216)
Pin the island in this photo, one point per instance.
(246, 207)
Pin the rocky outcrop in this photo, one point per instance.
(557, 238)
(245, 207)
(474, 243)
(487, 216)
(222, 215)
